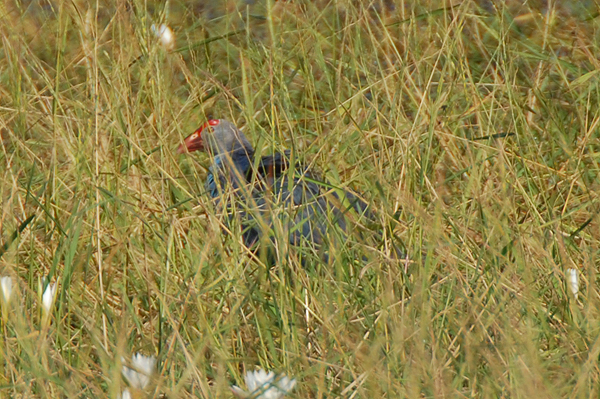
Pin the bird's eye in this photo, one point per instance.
(208, 126)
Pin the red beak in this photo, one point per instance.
(192, 143)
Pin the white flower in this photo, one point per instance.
(573, 280)
(165, 35)
(48, 297)
(263, 385)
(6, 284)
(139, 376)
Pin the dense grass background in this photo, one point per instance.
(472, 129)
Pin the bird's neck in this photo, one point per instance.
(240, 159)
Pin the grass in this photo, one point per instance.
(472, 130)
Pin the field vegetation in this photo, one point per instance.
(471, 127)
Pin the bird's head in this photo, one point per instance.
(217, 136)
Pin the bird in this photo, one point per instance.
(273, 193)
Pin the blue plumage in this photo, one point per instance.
(269, 196)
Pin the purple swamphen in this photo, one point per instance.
(271, 196)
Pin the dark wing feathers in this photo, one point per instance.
(308, 206)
